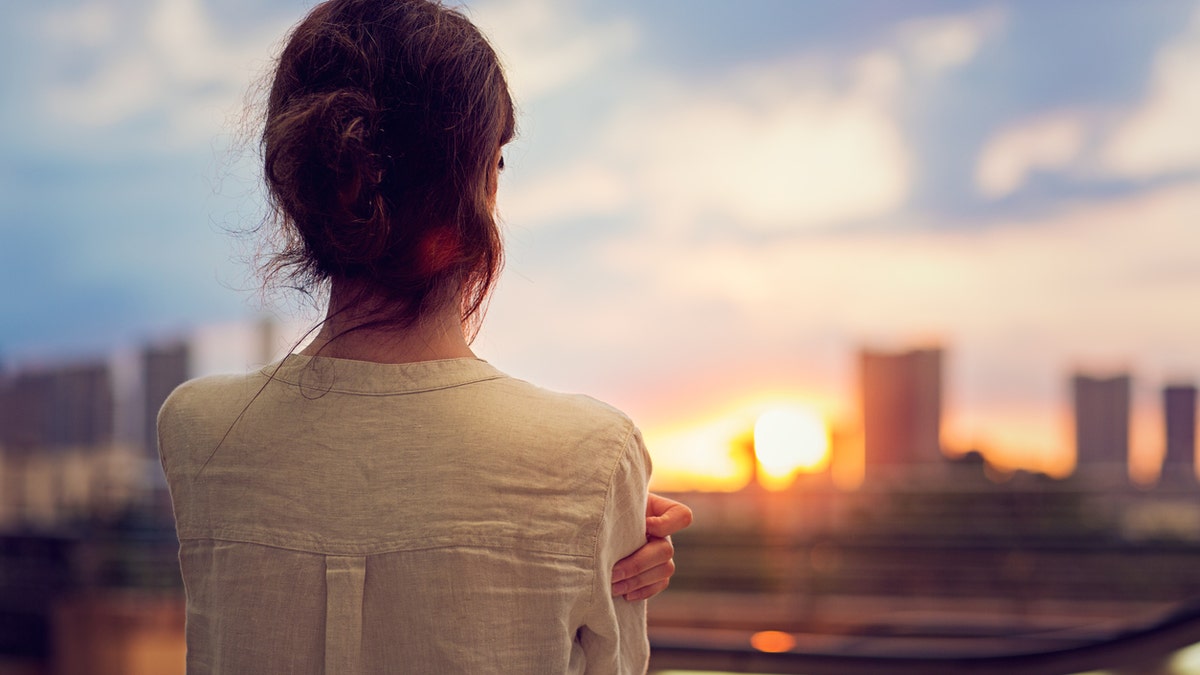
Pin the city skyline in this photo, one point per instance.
(896, 420)
(1101, 428)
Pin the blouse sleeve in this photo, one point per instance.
(614, 638)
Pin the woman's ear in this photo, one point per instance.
(493, 181)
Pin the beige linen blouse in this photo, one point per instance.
(340, 516)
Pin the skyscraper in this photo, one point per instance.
(1101, 420)
(164, 367)
(901, 407)
(1179, 411)
(65, 406)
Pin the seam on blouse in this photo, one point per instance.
(608, 497)
(260, 538)
(394, 392)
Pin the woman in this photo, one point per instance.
(384, 501)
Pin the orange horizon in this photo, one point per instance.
(707, 452)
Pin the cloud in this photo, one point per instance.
(1085, 274)
(173, 75)
(90, 25)
(545, 47)
(801, 142)
(943, 42)
(1159, 136)
(1150, 138)
(1054, 142)
(581, 190)
(799, 157)
(778, 155)
(161, 67)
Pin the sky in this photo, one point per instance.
(710, 209)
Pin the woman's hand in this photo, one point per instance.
(647, 571)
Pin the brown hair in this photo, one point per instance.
(382, 126)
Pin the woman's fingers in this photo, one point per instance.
(648, 568)
(647, 571)
(648, 591)
(665, 517)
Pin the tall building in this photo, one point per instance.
(66, 406)
(164, 367)
(7, 409)
(1179, 410)
(901, 407)
(1101, 420)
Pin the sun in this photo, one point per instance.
(788, 440)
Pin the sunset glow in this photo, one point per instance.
(703, 456)
(788, 440)
(786, 433)
(789, 435)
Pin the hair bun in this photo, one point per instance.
(327, 145)
(383, 123)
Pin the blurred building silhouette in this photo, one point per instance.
(1179, 413)
(60, 407)
(89, 571)
(901, 397)
(1101, 423)
(164, 367)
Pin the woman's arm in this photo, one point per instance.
(612, 632)
(647, 571)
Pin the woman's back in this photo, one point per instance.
(435, 516)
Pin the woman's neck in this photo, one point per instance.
(348, 333)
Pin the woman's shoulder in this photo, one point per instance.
(577, 429)
(569, 409)
(191, 420)
(202, 409)
(211, 391)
